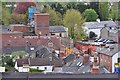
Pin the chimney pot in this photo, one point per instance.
(95, 69)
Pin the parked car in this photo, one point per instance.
(111, 42)
(96, 40)
(105, 40)
(101, 40)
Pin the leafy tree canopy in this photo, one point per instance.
(104, 11)
(73, 20)
(55, 18)
(18, 54)
(90, 15)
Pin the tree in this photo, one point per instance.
(118, 11)
(5, 17)
(104, 11)
(7, 61)
(22, 7)
(0, 12)
(79, 34)
(114, 11)
(55, 18)
(95, 6)
(45, 9)
(118, 17)
(59, 7)
(92, 34)
(20, 54)
(71, 5)
(73, 20)
(90, 15)
(82, 7)
(18, 18)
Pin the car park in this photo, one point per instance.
(104, 41)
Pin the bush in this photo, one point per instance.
(92, 34)
(36, 70)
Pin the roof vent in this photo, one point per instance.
(98, 20)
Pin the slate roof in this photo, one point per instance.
(56, 29)
(117, 22)
(103, 70)
(69, 58)
(46, 61)
(40, 61)
(85, 68)
(7, 50)
(70, 69)
(7, 30)
(112, 29)
(20, 62)
(75, 62)
(41, 51)
(107, 51)
(95, 25)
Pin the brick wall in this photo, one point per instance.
(106, 61)
(18, 27)
(86, 47)
(42, 24)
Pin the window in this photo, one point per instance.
(60, 35)
(45, 68)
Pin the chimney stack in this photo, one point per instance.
(85, 58)
(41, 24)
(95, 69)
(95, 61)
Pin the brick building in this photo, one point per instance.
(86, 46)
(108, 56)
(18, 27)
(21, 37)
(16, 40)
(42, 24)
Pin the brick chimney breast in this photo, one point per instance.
(85, 58)
(42, 23)
(95, 69)
(95, 61)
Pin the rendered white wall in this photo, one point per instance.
(114, 60)
(49, 68)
